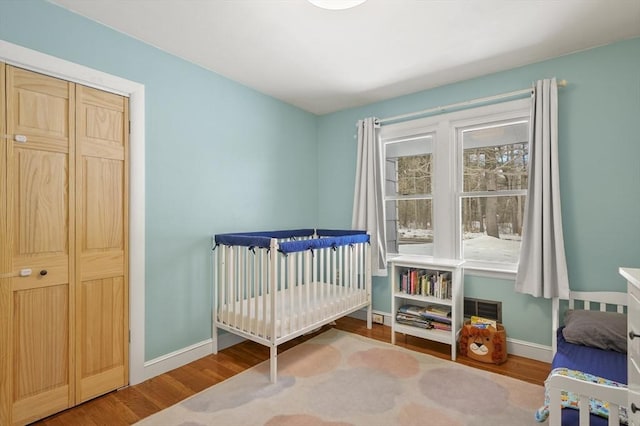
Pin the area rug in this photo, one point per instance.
(339, 379)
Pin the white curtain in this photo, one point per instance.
(542, 269)
(368, 201)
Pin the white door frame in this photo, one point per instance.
(39, 62)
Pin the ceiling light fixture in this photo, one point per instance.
(336, 4)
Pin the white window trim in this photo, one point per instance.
(447, 167)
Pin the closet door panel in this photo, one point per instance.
(102, 235)
(104, 227)
(40, 185)
(102, 334)
(41, 209)
(41, 348)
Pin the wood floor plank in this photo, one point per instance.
(129, 405)
(137, 401)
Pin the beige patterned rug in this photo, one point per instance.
(339, 379)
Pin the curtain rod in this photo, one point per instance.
(560, 83)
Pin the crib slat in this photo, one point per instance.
(358, 272)
(262, 318)
(278, 314)
(254, 293)
(299, 307)
(321, 264)
(229, 285)
(273, 290)
(234, 286)
(288, 285)
(242, 284)
(340, 287)
(614, 415)
(298, 287)
(222, 282)
(316, 296)
(583, 403)
(334, 275)
(308, 312)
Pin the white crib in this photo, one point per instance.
(271, 287)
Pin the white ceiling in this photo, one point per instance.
(324, 61)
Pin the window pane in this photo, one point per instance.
(409, 167)
(492, 228)
(409, 226)
(496, 158)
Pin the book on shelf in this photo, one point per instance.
(423, 282)
(436, 316)
(441, 326)
(413, 321)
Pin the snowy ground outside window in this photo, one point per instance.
(476, 246)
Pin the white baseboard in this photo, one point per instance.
(529, 350)
(362, 315)
(514, 346)
(184, 356)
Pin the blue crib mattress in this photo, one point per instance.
(609, 364)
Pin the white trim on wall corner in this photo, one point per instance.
(46, 64)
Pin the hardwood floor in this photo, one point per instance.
(131, 404)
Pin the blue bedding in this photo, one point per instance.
(609, 364)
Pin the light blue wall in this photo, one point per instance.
(599, 134)
(219, 158)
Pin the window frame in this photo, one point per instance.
(408, 197)
(447, 185)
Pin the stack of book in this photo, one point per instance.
(430, 316)
(426, 283)
(480, 322)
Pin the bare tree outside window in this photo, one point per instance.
(409, 175)
(495, 180)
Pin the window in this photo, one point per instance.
(456, 184)
(494, 187)
(408, 194)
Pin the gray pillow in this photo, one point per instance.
(604, 330)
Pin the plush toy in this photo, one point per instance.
(484, 344)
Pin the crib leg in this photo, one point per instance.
(214, 338)
(555, 416)
(274, 364)
(369, 316)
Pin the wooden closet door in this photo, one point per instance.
(102, 297)
(38, 303)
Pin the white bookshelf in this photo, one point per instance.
(427, 265)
